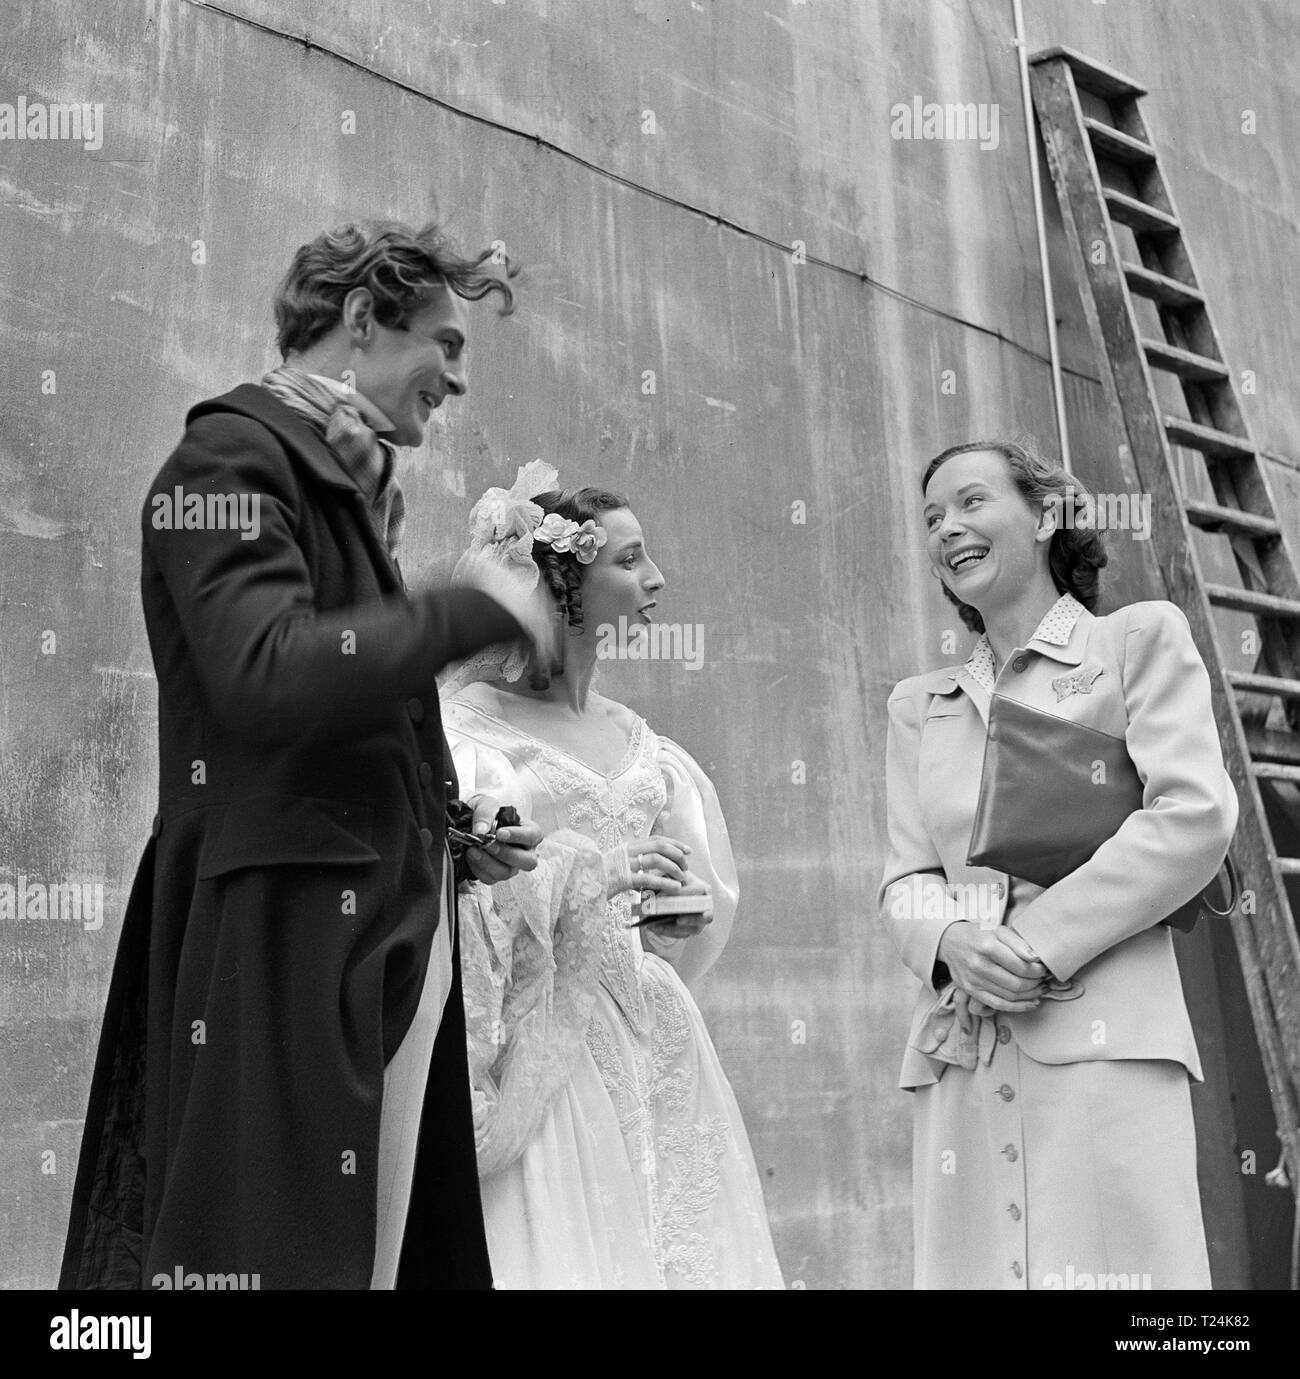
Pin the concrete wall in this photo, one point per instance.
(659, 245)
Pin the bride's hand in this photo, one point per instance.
(682, 926)
(646, 864)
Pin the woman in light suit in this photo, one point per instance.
(1050, 1051)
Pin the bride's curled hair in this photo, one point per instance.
(1077, 552)
(562, 570)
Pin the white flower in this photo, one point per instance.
(586, 540)
(554, 531)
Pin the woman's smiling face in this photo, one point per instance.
(984, 539)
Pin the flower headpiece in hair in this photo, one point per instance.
(583, 539)
(509, 521)
(503, 525)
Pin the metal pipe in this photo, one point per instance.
(1044, 265)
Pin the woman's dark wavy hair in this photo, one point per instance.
(1076, 554)
(399, 266)
(562, 571)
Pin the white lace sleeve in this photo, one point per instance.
(693, 816)
(530, 951)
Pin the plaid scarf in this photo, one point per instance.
(340, 415)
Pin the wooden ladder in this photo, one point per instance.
(1107, 175)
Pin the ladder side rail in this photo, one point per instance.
(1267, 940)
(1242, 483)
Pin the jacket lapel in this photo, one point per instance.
(384, 563)
(309, 452)
(1072, 652)
(953, 680)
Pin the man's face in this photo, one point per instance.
(407, 373)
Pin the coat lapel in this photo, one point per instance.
(309, 452)
(953, 680)
(1072, 652)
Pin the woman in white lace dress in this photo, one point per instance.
(611, 1149)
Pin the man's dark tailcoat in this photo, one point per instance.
(277, 935)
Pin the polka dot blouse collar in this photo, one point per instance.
(1055, 629)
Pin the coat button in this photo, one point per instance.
(157, 825)
(941, 1031)
(1007, 1093)
(1014, 1212)
(426, 837)
(416, 709)
(1011, 1152)
(426, 773)
(1004, 1035)
(1019, 664)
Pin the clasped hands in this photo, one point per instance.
(996, 968)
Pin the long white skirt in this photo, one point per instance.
(641, 1176)
(1057, 1176)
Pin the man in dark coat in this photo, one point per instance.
(285, 914)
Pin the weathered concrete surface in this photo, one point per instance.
(776, 383)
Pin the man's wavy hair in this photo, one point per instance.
(562, 571)
(1076, 554)
(399, 266)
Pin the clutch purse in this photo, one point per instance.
(1051, 793)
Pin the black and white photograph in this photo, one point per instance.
(650, 646)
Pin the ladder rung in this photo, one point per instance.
(1114, 143)
(1168, 291)
(1248, 601)
(1137, 215)
(1267, 744)
(1091, 76)
(1289, 866)
(1272, 770)
(1250, 683)
(1212, 517)
(1218, 444)
(1184, 363)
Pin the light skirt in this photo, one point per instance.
(641, 1175)
(1074, 1176)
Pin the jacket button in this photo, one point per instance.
(1004, 1035)
(426, 773)
(1007, 1093)
(426, 837)
(1019, 664)
(416, 709)
(941, 1032)
(157, 825)
(1011, 1152)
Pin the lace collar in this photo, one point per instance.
(531, 742)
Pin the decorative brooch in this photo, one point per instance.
(1080, 682)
